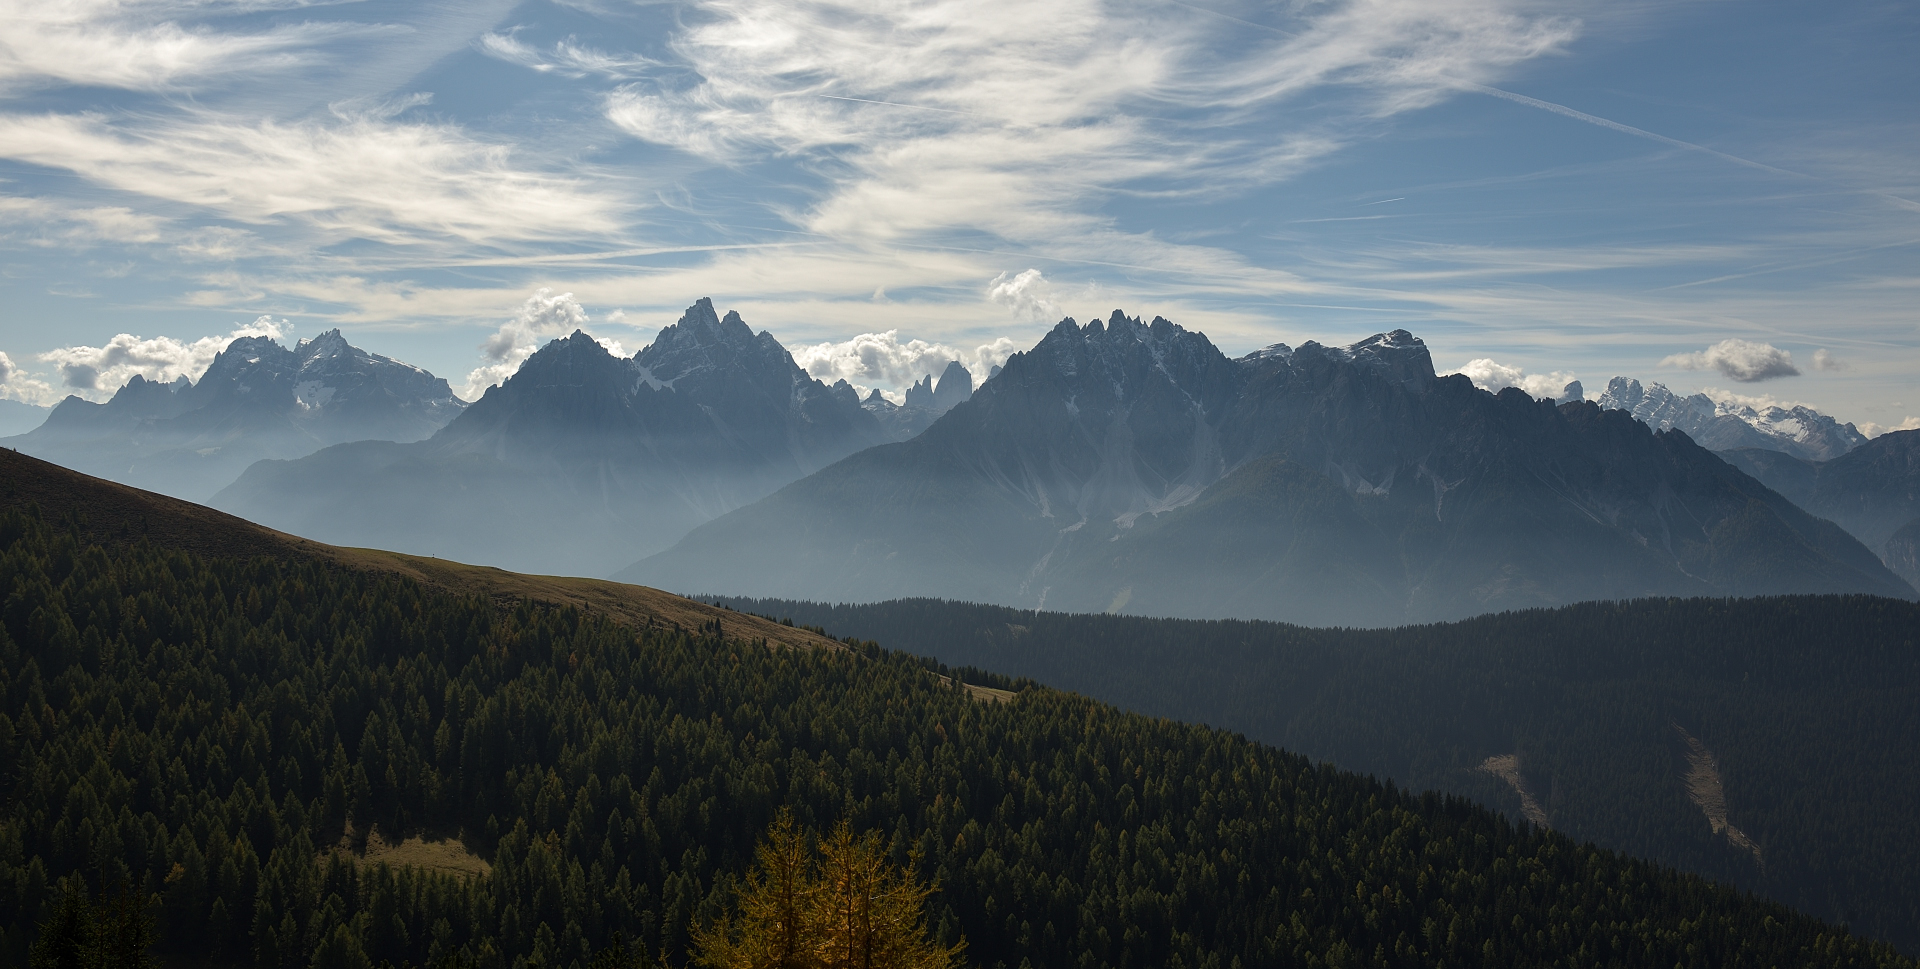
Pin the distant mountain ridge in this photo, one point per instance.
(257, 400)
(925, 402)
(1722, 425)
(1872, 491)
(580, 458)
(1132, 467)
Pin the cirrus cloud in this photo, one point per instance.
(1016, 119)
(356, 175)
(141, 46)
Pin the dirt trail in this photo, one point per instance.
(1704, 787)
(1507, 768)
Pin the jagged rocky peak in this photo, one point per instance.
(327, 345)
(1123, 341)
(920, 395)
(247, 354)
(1727, 422)
(954, 386)
(1572, 392)
(704, 340)
(1397, 354)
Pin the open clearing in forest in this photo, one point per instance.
(1709, 794)
(1507, 768)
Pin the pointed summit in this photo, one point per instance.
(955, 387)
(329, 344)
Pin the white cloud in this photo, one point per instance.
(1758, 402)
(1027, 296)
(542, 318)
(362, 175)
(96, 372)
(1494, 377)
(17, 384)
(1870, 429)
(881, 359)
(1826, 361)
(1738, 360)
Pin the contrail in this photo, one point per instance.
(577, 257)
(1561, 109)
(897, 104)
(1628, 129)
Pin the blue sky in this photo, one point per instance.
(1560, 189)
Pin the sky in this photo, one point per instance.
(1716, 195)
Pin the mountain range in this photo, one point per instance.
(1727, 423)
(1132, 467)
(257, 400)
(581, 461)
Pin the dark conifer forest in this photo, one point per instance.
(1808, 708)
(217, 733)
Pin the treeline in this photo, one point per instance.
(206, 731)
(1809, 704)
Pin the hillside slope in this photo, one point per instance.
(115, 514)
(1808, 708)
(200, 727)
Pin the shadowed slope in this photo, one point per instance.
(114, 514)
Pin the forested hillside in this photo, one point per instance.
(1807, 709)
(209, 729)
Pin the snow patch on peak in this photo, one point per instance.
(1279, 351)
(312, 395)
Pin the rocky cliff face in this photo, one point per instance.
(1726, 424)
(257, 400)
(581, 460)
(1132, 467)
